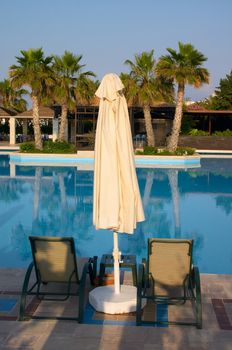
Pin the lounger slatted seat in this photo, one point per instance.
(168, 277)
(55, 264)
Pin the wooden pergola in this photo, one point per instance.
(197, 111)
(85, 118)
(45, 113)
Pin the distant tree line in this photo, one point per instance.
(222, 97)
(63, 80)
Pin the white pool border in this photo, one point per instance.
(87, 158)
(209, 153)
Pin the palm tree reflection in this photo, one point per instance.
(156, 223)
(224, 202)
(173, 182)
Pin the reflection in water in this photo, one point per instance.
(10, 191)
(148, 187)
(58, 201)
(225, 203)
(20, 242)
(173, 181)
(37, 189)
(157, 223)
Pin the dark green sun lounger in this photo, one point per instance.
(168, 277)
(55, 264)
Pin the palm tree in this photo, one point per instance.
(33, 70)
(84, 95)
(184, 67)
(67, 69)
(85, 89)
(142, 87)
(12, 98)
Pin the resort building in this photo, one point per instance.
(82, 124)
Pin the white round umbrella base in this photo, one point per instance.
(104, 299)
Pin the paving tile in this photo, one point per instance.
(209, 318)
(41, 334)
(91, 331)
(221, 314)
(7, 327)
(125, 338)
(65, 328)
(23, 341)
(159, 347)
(71, 343)
(33, 327)
(228, 308)
(120, 345)
(12, 279)
(3, 338)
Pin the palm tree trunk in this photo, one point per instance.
(148, 125)
(148, 187)
(37, 131)
(173, 181)
(173, 140)
(63, 122)
(37, 189)
(63, 199)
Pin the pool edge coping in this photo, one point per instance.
(87, 157)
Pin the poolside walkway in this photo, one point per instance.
(120, 332)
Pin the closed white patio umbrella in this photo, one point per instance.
(117, 201)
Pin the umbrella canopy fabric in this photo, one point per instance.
(117, 201)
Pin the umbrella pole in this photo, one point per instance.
(116, 255)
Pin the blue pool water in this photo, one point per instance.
(184, 203)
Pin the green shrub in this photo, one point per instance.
(188, 123)
(225, 133)
(180, 151)
(149, 150)
(185, 151)
(91, 137)
(196, 132)
(58, 147)
(165, 152)
(48, 147)
(28, 147)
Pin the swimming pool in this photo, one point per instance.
(185, 203)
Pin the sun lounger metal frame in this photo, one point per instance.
(191, 287)
(41, 279)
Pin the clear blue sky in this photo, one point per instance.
(108, 32)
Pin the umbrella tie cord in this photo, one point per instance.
(117, 255)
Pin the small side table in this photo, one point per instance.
(127, 261)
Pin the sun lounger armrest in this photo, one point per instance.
(145, 272)
(27, 277)
(197, 286)
(144, 263)
(82, 290)
(93, 269)
(93, 261)
(24, 291)
(83, 275)
(195, 277)
(141, 277)
(140, 285)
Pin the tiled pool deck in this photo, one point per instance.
(115, 332)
